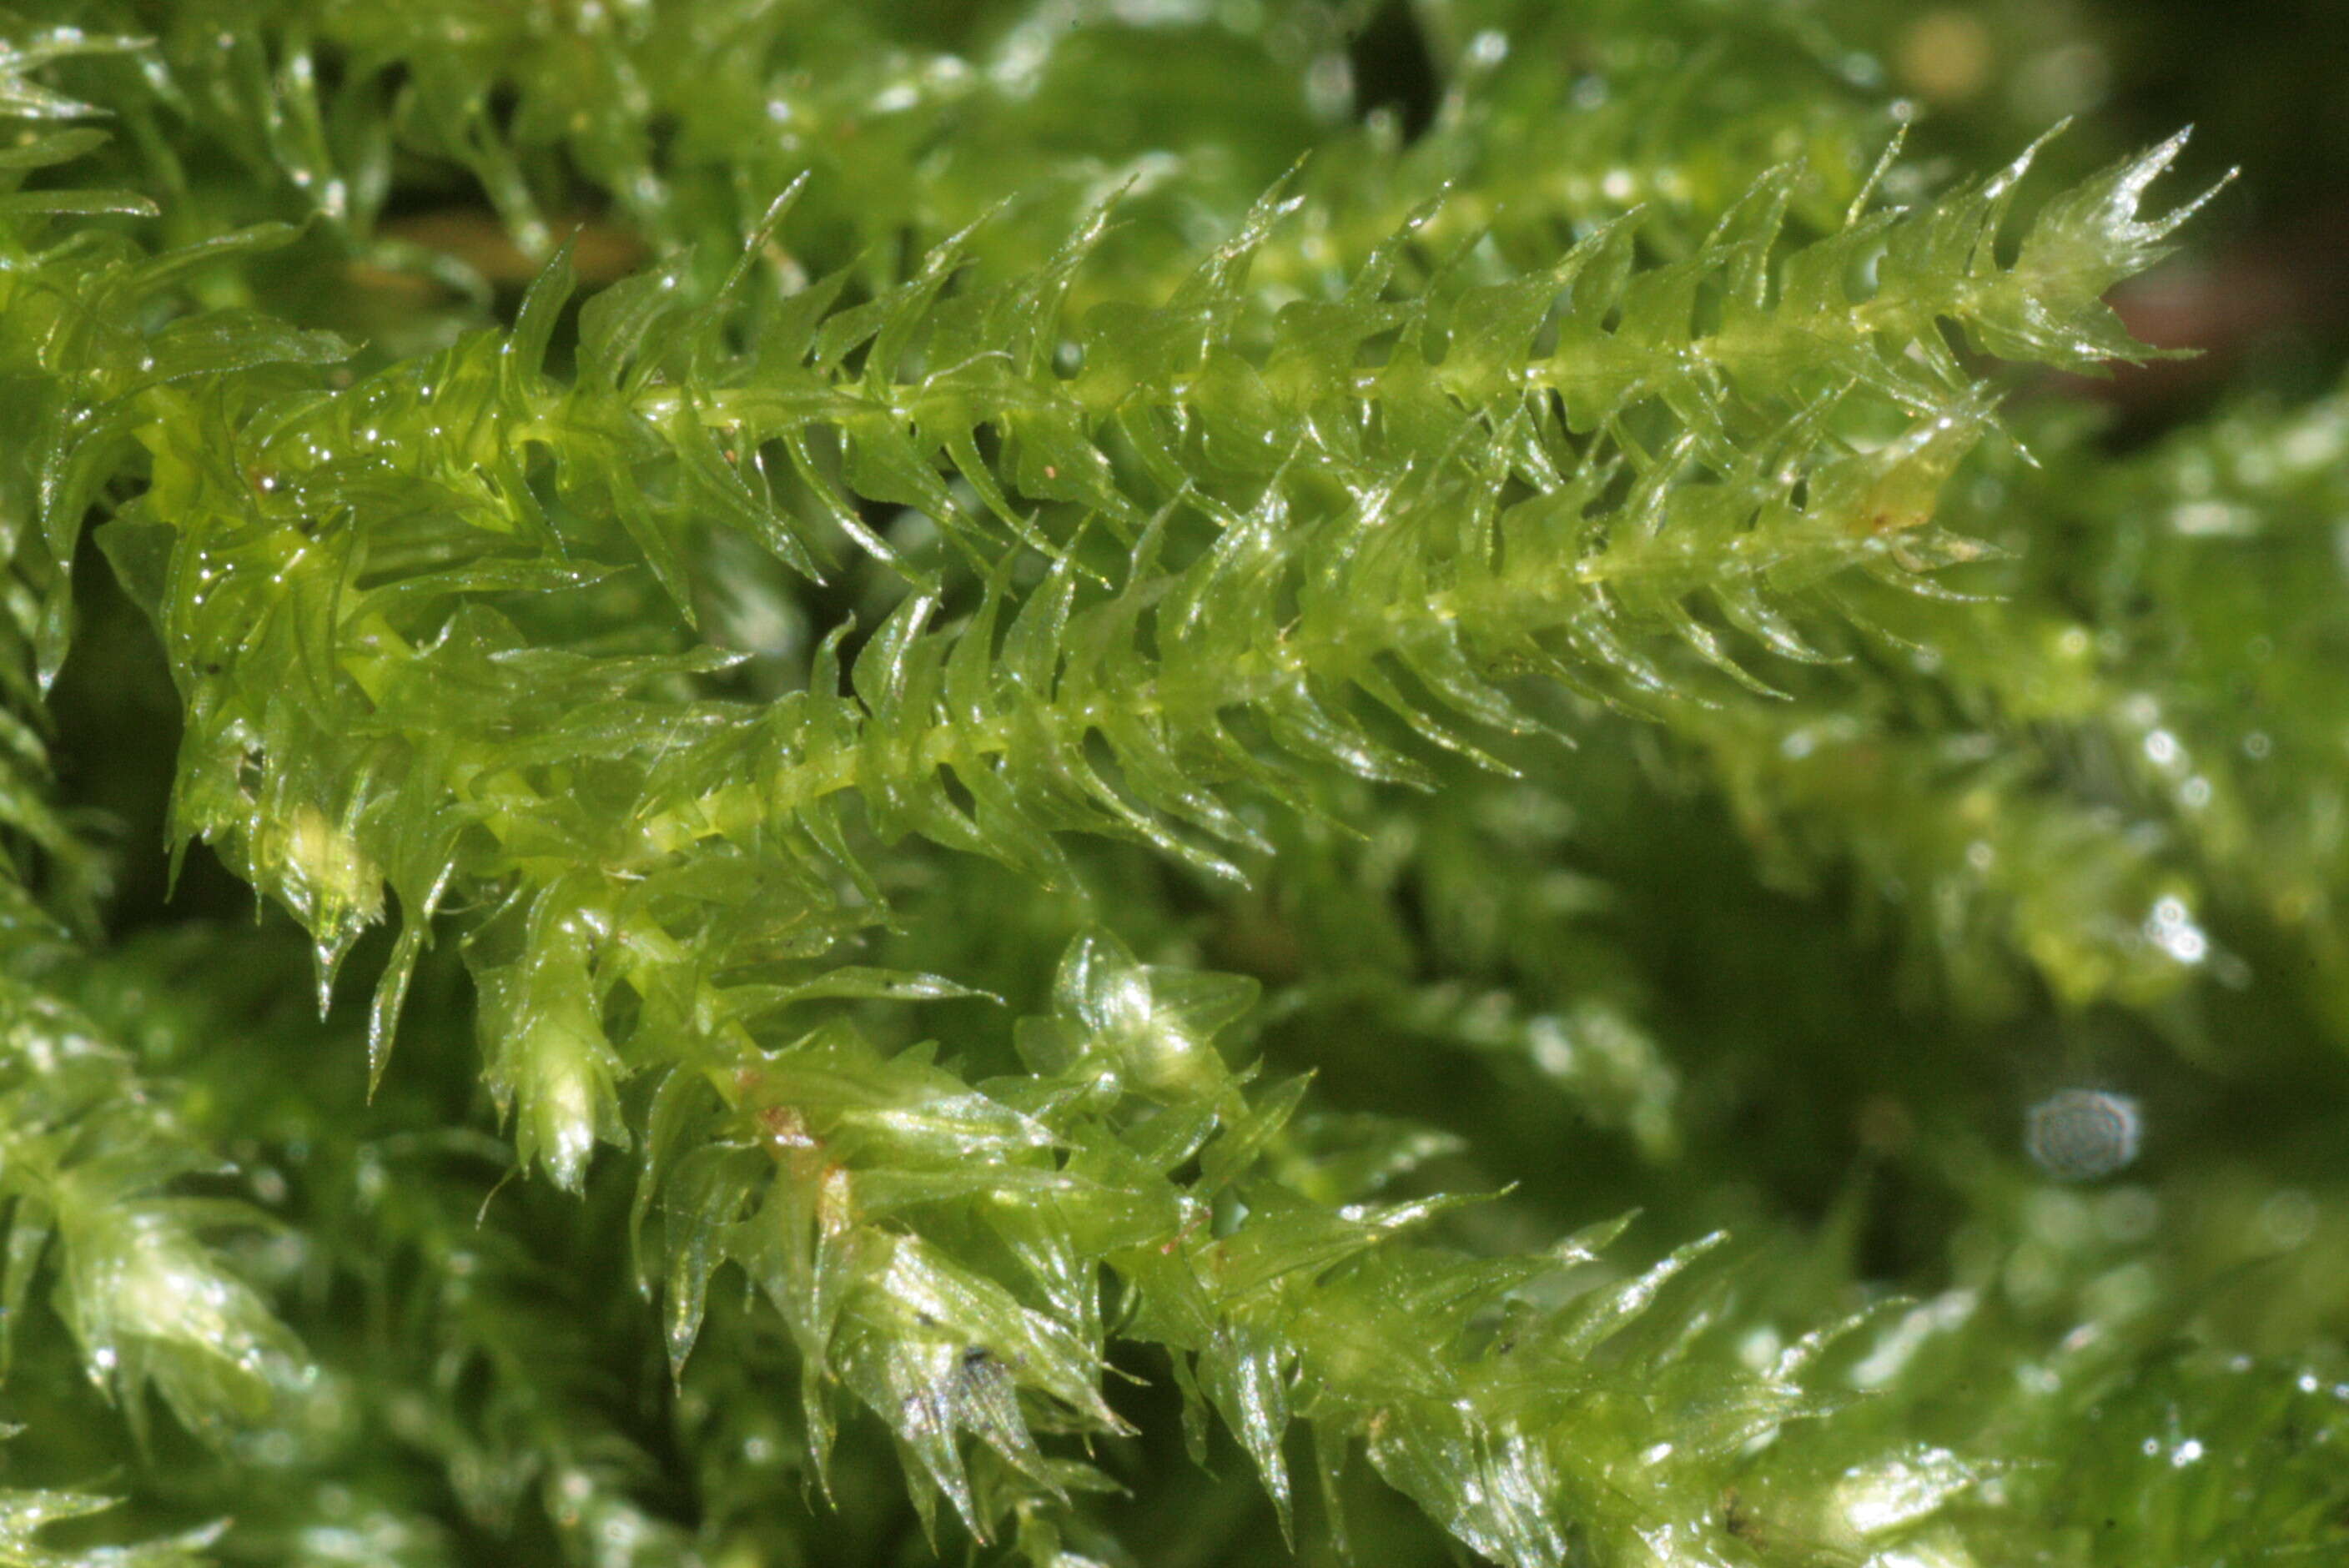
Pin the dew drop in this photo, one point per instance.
(2288, 1219)
(2081, 1134)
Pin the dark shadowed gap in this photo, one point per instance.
(1393, 70)
(117, 743)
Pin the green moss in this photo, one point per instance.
(1053, 764)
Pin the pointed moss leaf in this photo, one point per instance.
(24, 1513)
(550, 1066)
(757, 246)
(700, 1197)
(1245, 1374)
(220, 341)
(147, 1303)
(170, 267)
(716, 483)
(2080, 245)
(391, 989)
(1608, 1310)
(981, 1315)
(1490, 1489)
(903, 1104)
(76, 204)
(151, 1303)
(28, 51)
(1158, 1025)
(533, 329)
(28, 1234)
(44, 151)
(1245, 1139)
(852, 981)
(616, 325)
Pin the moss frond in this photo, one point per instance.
(804, 587)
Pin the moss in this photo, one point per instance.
(998, 748)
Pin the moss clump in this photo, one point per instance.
(998, 744)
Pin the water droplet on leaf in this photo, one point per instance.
(2081, 1134)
